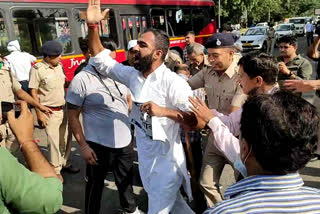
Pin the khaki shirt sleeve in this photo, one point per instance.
(197, 81)
(16, 86)
(305, 70)
(34, 81)
(239, 98)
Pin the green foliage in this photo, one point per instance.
(258, 10)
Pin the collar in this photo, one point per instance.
(274, 89)
(265, 183)
(156, 74)
(231, 69)
(46, 64)
(298, 57)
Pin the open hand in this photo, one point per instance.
(94, 14)
(200, 109)
(300, 85)
(45, 110)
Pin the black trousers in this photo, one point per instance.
(25, 85)
(120, 162)
(309, 38)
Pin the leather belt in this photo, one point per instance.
(58, 108)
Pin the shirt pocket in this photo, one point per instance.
(226, 100)
(209, 91)
(50, 82)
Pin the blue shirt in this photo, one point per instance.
(269, 194)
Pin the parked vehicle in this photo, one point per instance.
(262, 24)
(255, 38)
(285, 29)
(300, 24)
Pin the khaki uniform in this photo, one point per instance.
(194, 69)
(9, 85)
(223, 92)
(50, 83)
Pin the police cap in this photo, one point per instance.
(51, 48)
(221, 40)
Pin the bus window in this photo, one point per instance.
(127, 27)
(133, 27)
(107, 28)
(200, 19)
(141, 23)
(158, 19)
(3, 36)
(33, 27)
(179, 21)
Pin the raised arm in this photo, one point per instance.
(94, 16)
(101, 60)
(22, 127)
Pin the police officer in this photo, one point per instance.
(47, 84)
(11, 88)
(224, 94)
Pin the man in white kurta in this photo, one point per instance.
(163, 95)
(162, 164)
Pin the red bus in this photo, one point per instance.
(33, 22)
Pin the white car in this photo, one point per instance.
(254, 39)
(262, 24)
(285, 29)
(300, 24)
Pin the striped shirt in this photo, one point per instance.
(269, 194)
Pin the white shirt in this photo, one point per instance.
(226, 127)
(161, 163)
(105, 115)
(19, 64)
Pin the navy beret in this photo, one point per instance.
(221, 40)
(51, 48)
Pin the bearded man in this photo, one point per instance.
(160, 104)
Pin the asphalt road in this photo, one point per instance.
(74, 186)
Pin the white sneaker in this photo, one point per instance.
(135, 212)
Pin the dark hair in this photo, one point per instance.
(108, 44)
(282, 130)
(226, 27)
(261, 65)
(190, 32)
(292, 40)
(84, 44)
(161, 41)
(181, 67)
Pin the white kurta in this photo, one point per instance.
(162, 164)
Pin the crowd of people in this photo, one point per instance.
(189, 117)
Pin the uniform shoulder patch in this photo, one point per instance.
(38, 65)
